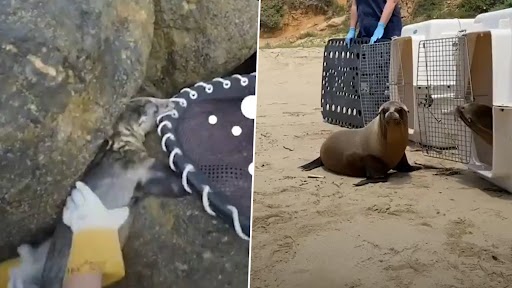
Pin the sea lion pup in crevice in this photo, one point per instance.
(478, 118)
(369, 152)
(121, 173)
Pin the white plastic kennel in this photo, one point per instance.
(404, 69)
(484, 56)
(490, 53)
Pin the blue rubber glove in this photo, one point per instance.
(378, 32)
(351, 34)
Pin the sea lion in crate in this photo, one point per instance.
(478, 118)
(369, 152)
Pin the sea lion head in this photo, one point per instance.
(478, 118)
(139, 117)
(142, 116)
(146, 107)
(393, 116)
(475, 114)
(393, 113)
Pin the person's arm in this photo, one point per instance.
(87, 280)
(388, 11)
(353, 14)
(5, 269)
(95, 258)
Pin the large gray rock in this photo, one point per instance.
(176, 241)
(66, 66)
(200, 40)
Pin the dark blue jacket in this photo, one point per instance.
(368, 16)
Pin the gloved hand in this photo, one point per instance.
(350, 36)
(6, 268)
(28, 273)
(377, 34)
(95, 246)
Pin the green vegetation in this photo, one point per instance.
(273, 11)
(427, 9)
(316, 6)
(435, 9)
(471, 8)
(272, 14)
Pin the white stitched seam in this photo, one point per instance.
(173, 113)
(236, 222)
(225, 83)
(243, 81)
(207, 87)
(171, 157)
(164, 139)
(191, 93)
(181, 101)
(206, 200)
(188, 168)
(161, 125)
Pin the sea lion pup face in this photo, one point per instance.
(478, 118)
(137, 120)
(145, 111)
(146, 107)
(141, 117)
(467, 111)
(393, 113)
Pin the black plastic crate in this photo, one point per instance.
(341, 97)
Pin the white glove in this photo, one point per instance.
(84, 211)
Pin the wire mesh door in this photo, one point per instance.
(374, 79)
(443, 82)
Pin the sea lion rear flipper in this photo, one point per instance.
(376, 171)
(404, 166)
(162, 182)
(312, 165)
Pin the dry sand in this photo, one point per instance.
(422, 230)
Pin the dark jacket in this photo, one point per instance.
(368, 16)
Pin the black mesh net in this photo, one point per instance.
(215, 137)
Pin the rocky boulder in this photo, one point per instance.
(200, 40)
(66, 67)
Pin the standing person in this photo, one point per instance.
(377, 19)
(95, 258)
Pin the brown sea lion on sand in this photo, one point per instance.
(369, 152)
(478, 118)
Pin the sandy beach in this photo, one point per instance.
(420, 230)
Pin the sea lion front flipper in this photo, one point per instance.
(372, 181)
(404, 166)
(376, 171)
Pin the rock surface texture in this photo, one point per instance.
(176, 241)
(66, 68)
(200, 40)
